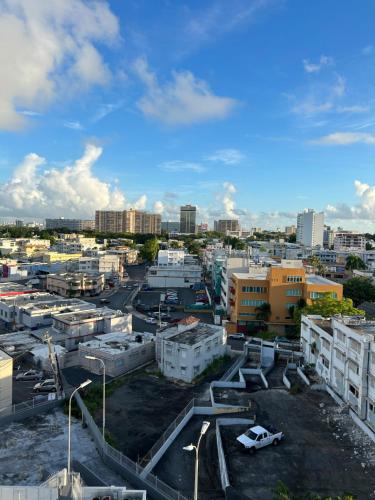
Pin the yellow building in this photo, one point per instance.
(279, 286)
(50, 257)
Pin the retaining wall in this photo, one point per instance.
(303, 376)
(11, 415)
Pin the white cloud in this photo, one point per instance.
(310, 107)
(45, 191)
(356, 108)
(368, 50)
(364, 210)
(141, 203)
(345, 138)
(180, 166)
(227, 199)
(324, 61)
(339, 88)
(73, 125)
(182, 101)
(158, 207)
(107, 109)
(227, 156)
(47, 50)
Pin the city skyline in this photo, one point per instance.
(122, 117)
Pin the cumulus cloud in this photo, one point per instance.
(46, 191)
(364, 210)
(345, 139)
(48, 48)
(310, 67)
(73, 125)
(227, 156)
(141, 203)
(158, 207)
(227, 199)
(182, 101)
(180, 166)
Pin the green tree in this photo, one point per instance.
(174, 244)
(292, 238)
(354, 262)
(263, 312)
(327, 306)
(282, 492)
(368, 246)
(319, 268)
(150, 250)
(359, 290)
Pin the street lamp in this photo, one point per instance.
(191, 447)
(103, 364)
(84, 384)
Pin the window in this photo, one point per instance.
(373, 358)
(254, 289)
(183, 353)
(325, 362)
(340, 356)
(208, 346)
(371, 407)
(293, 292)
(355, 346)
(353, 390)
(326, 345)
(372, 382)
(197, 352)
(294, 279)
(196, 369)
(183, 369)
(321, 295)
(288, 305)
(341, 336)
(247, 314)
(353, 367)
(252, 303)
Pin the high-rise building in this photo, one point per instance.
(127, 221)
(170, 226)
(203, 227)
(289, 230)
(71, 224)
(188, 217)
(310, 228)
(224, 225)
(347, 241)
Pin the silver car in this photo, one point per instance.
(30, 375)
(47, 385)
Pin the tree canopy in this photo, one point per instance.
(150, 250)
(359, 290)
(327, 307)
(354, 262)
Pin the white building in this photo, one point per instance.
(80, 326)
(186, 349)
(343, 352)
(107, 264)
(121, 352)
(349, 242)
(6, 380)
(310, 228)
(174, 276)
(171, 257)
(231, 265)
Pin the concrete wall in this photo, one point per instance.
(6, 380)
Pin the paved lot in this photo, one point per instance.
(323, 452)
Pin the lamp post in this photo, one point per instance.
(84, 384)
(103, 364)
(191, 447)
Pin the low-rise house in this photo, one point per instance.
(69, 329)
(342, 350)
(75, 284)
(185, 350)
(6, 380)
(120, 352)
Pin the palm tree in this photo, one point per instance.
(263, 312)
(354, 262)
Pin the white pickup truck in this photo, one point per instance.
(258, 437)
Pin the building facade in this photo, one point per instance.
(188, 217)
(349, 242)
(71, 224)
(184, 351)
(224, 225)
(279, 286)
(6, 380)
(310, 228)
(127, 221)
(343, 353)
(75, 284)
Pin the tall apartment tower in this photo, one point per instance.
(127, 221)
(310, 228)
(188, 217)
(224, 225)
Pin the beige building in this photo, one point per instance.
(6, 380)
(127, 221)
(75, 284)
(224, 225)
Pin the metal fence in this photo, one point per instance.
(124, 462)
(26, 408)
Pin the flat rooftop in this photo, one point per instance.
(254, 274)
(55, 303)
(313, 279)
(117, 342)
(31, 297)
(193, 336)
(79, 316)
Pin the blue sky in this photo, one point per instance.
(249, 108)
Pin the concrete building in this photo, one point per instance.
(127, 221)
(71, 328)
(71, 224)
(328, 237)
(109, 264)
(310, 227)
(343, 352)
(74, 245)
(289, 230)
(224, 225)
(188, 217)
(280, 286)
(349, 242)
(170, 226)
(6, 380)
(180, 276)
(171, 257)
(121, 352)
(76, 284)
(202, 228)
(185, 350)
(230, 266)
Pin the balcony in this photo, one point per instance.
(232, 302)
(232, 290)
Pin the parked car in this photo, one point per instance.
(104, 301)
(259, 437)
(237, 336)
(47, 385)
(151, 321)
(30, 375)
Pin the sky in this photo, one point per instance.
(249, 109)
